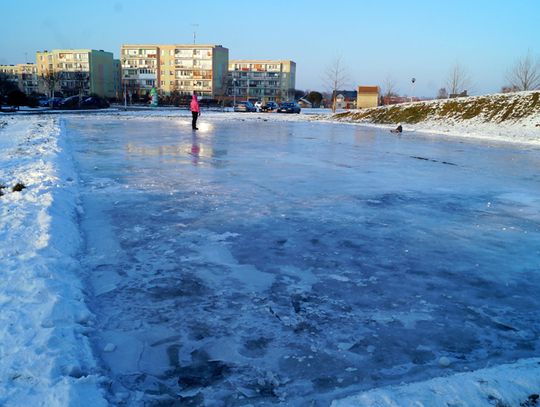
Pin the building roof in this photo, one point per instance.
(259, 61)
(368, 89)
(347, 94)
(173, 45)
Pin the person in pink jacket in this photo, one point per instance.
(195, 111)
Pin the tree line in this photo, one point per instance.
(523, 75)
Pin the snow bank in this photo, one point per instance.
(515, 384)
(45, 356)
(500, 117)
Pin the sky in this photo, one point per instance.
(377, 41)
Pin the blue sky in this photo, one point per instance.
(375, 39)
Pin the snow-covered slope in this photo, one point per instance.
(511, 117)
(45, 357)
(517, 384)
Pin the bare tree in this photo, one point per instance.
(80, 79)
(335, 77)
(442, 94)
(525, 74)
(389, 87)
(458, 80)
(50, 79)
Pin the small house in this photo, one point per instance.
(346, 99)
(368, 96)
(304, 103)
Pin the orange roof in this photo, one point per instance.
(368, 89)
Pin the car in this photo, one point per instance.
(43, 102)
(289, 107)
(245, 107)
(269, 107)
(71, 102)
(52, 102)
(94, 102)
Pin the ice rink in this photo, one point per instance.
(259, 262)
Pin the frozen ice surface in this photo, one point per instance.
(258, 262)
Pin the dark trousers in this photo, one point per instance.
(194, 116)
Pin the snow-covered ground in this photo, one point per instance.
(526, 132)
(45, 356)
(266, 259)
(513, 117)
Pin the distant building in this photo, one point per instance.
(368, 96)
(346, 99)
(304, 103)
(24, 76)
(264, 80)
(458, 95)
(117, 75)
(175, 68)
(85, 71)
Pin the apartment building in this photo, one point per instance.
(83, 71)
(24, 76)
(265, 80)
(117, 79)
(180, 68)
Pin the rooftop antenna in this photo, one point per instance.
(194, 32)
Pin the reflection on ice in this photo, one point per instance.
(269, 262)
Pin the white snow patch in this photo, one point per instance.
(505, 385)
(45, 356)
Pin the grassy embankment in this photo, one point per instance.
(499, 108)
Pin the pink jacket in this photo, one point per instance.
(195, 105)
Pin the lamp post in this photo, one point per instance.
(413, 80)
(234, 91)
(125, 94)
(247, 86)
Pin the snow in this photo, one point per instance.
(264, 259)
(526, 132)
(485, 126)
(516, 384)
(45, 355)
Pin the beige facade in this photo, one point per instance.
(24, 76)
(181, 68)
(264, 80)
(368, 96)
(83, 71)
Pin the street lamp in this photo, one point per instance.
(413, 80)
(247, 86)
(234, 91)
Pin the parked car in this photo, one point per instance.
(269, 107)
(43, 102)
(245, 107)
(289, 107)
(94, 102)
(71, 102)
(53, 102)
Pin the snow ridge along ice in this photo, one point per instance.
(513, 117)
(45, 356)
(505, 385)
